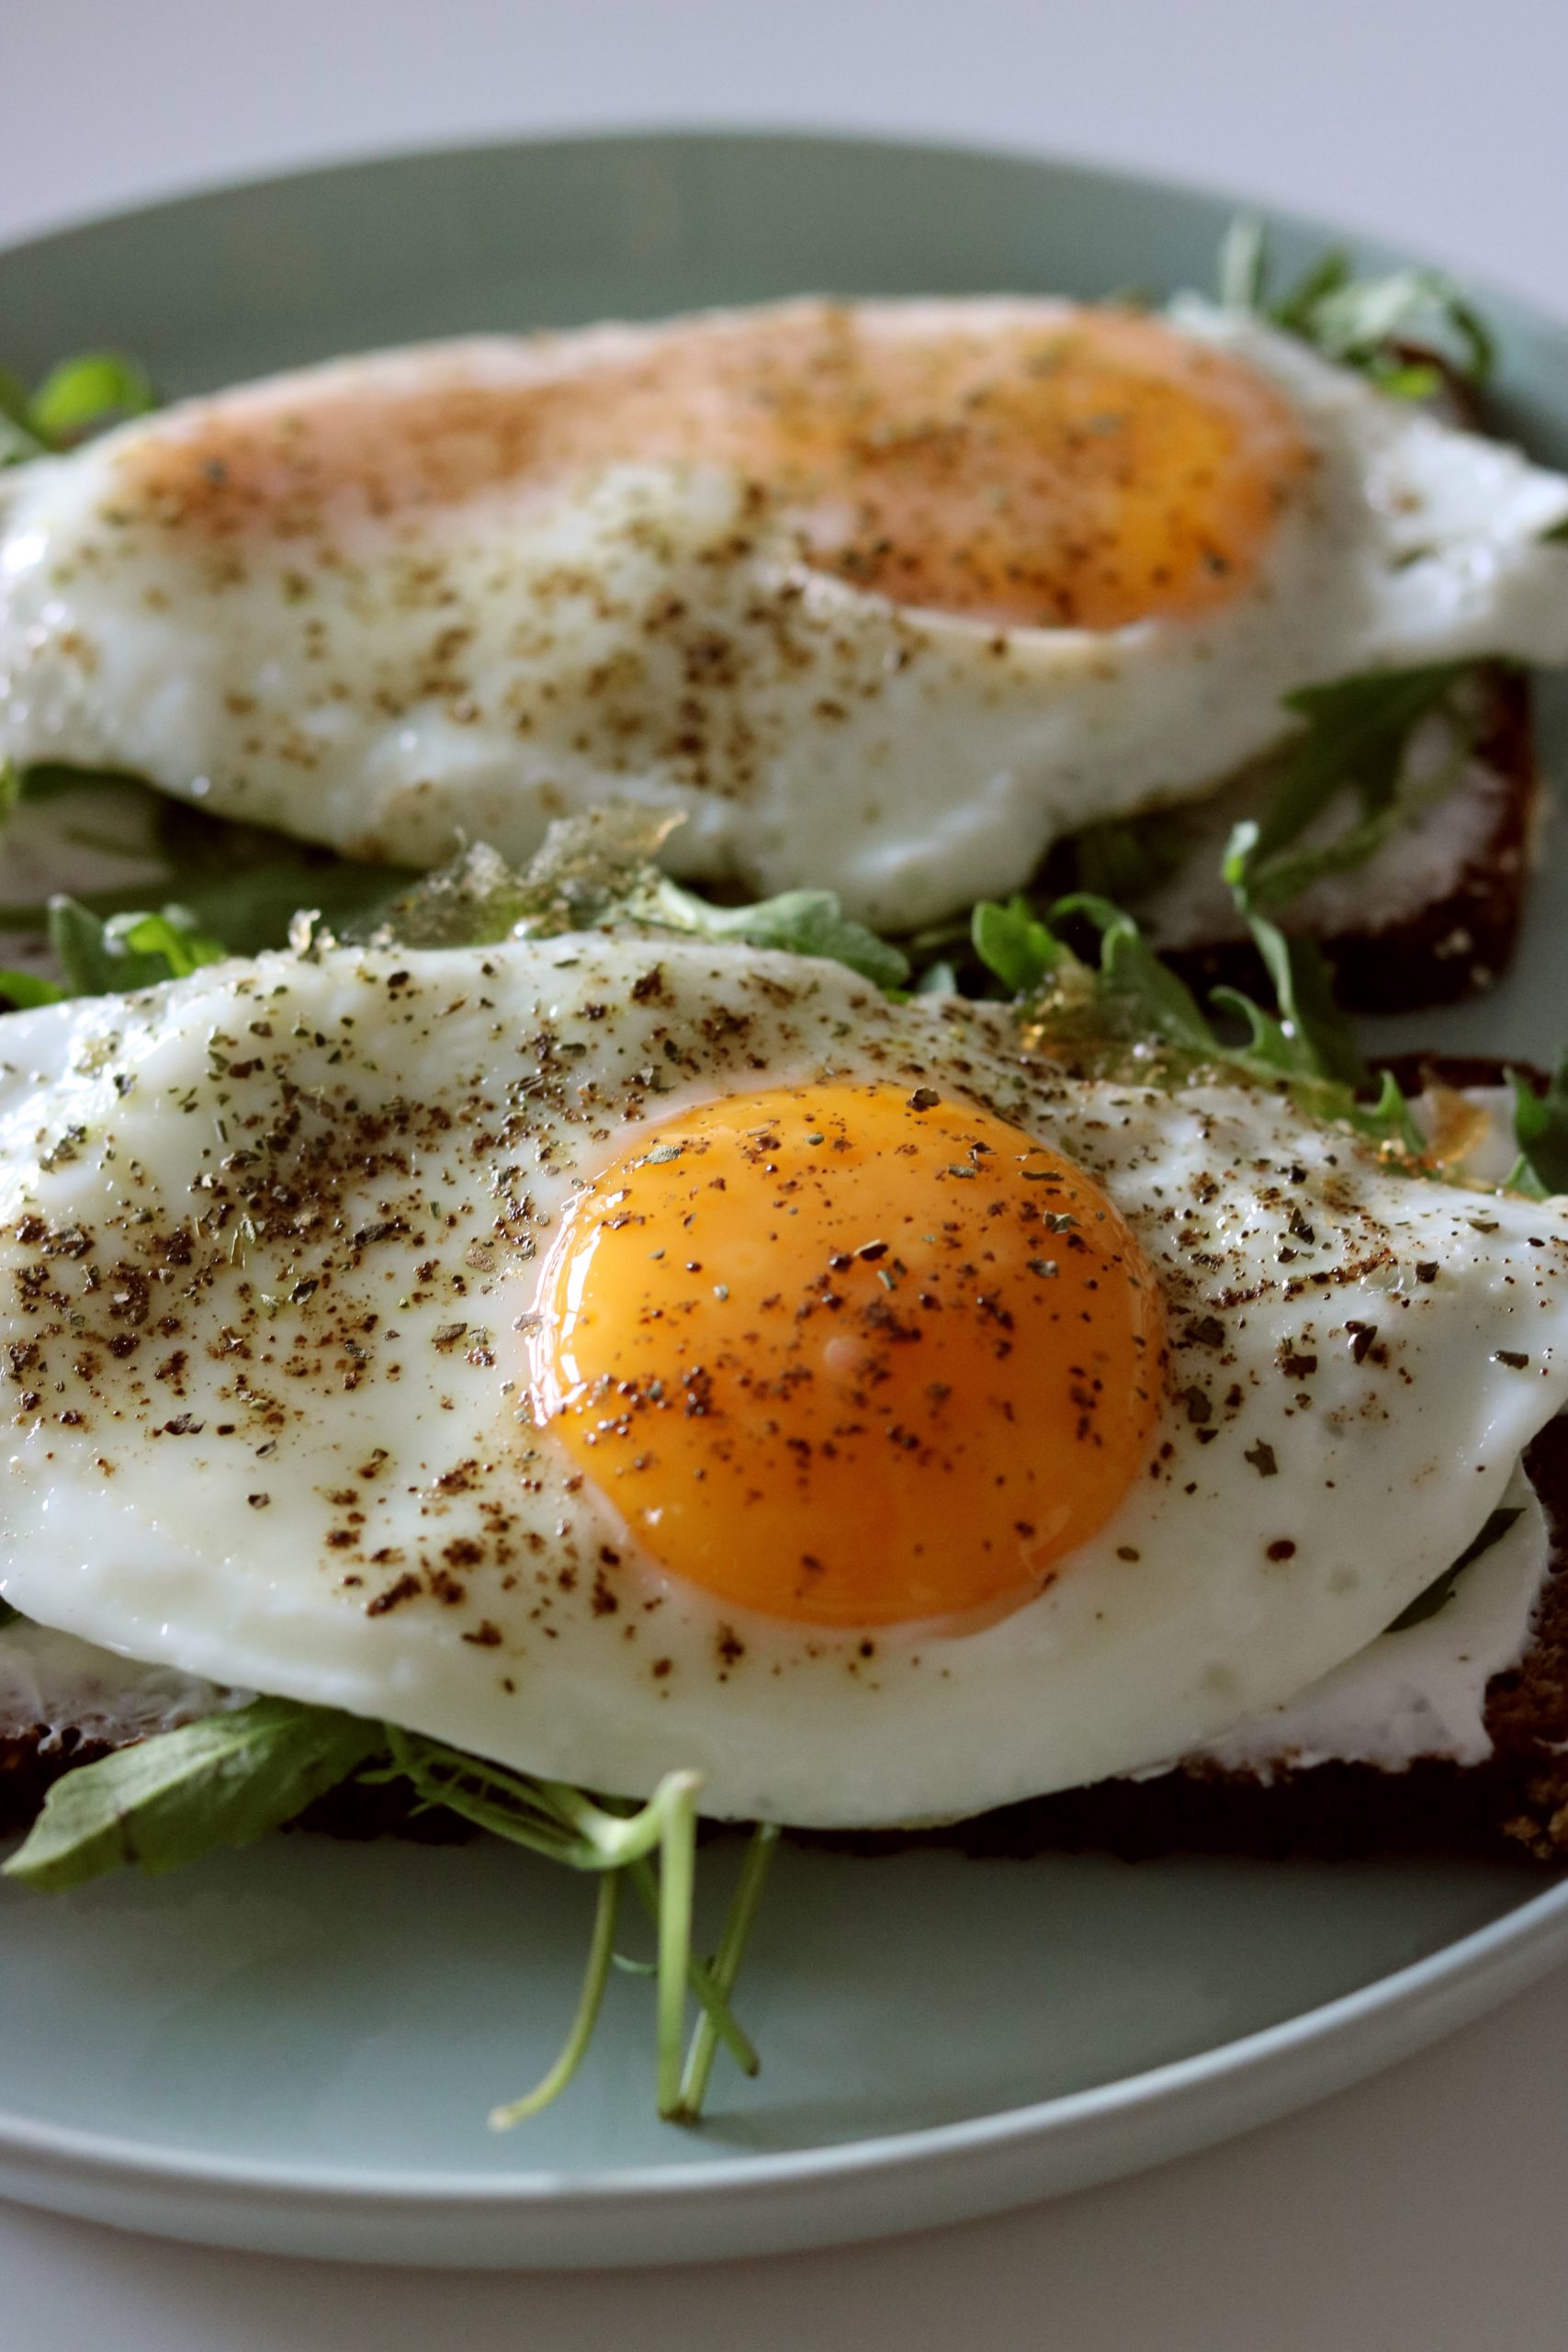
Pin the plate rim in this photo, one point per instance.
(697, 133)
(1527, 1924)
(1518, 1946)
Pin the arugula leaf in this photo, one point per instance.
(1358, 321)
(802, 922)
(1314, 1033)
(1540, 1130)
(19, 442)
(1012, 943)
(596, 872)
(128, 951)
(242, 882)
(1433, 1597)
(228, 1779)
(565, 1826)
(1306, 1045)
(1142, 991)
(78, 396)
(81, 395)
(1361, 321)
(165, 1802)
(1354, 735)
(1387, 1120)
(1351, 744)
(23, 990)
(1312, 1039)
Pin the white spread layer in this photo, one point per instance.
(55, 1682)
(1418, 1692)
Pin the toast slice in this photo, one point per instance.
(1513, 1802)
(1433, 917)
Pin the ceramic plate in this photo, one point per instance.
(295, 2049)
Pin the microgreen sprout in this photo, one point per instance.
(1363, 323)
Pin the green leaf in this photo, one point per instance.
(566, 1826)
(24, 991)
(19, 442)
(802, 922)
(1427, 1602)
(1540, 1129)
(8, 1616)
(1317, 1029)
(1388, 1120)
(1328, 276)
(128, 951)
(242, 883)
(1306, 1045)
(165, 1802)
(172, 935)
(1146, 995)
(597, 872)
(1012, 943)
(1359, 322)
(82, 394)
(1409, 379)
(1355, 734)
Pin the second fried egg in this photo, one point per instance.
(883, 597)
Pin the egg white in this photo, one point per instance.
(641, 633)
(238, 1425)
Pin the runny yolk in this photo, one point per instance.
(1068, 467)
(850, 1354)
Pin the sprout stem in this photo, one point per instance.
(594, 1979)
(677, 1886)
(726, 1966)
(701, 1979)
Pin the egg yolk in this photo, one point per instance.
(850, 1354)
(1085, 468)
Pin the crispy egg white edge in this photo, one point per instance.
(1048, 1697)
(912, 761)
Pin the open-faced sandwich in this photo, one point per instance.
(569, 1356)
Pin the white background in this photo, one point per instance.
(1426, 2210)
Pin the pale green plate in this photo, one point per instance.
(296, 2048)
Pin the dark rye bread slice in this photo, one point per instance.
(1454, 942)
(1387, 952)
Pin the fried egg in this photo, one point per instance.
(611, 1356)
(883, 597)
